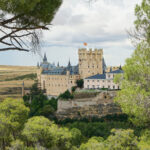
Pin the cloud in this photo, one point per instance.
(104, 20)
(102, 24)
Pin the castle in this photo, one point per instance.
(57, 79)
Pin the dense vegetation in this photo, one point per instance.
(80, 83)
(18, 132)
(39, 103)
(21, 21)
(31, 76)
(29, 124)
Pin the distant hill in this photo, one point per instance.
(12, 77)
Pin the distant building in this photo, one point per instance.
(56, 79)
(102, 80)
(92, 68)
(91, 62)
(112, 68)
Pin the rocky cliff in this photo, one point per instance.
(100, 105)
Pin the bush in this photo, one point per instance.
(73, 89)
(80, 83)
(66, 95)
(31, 76)
(39, 104)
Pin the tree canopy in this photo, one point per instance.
(21, 22)
(142, 22)
(135, 93)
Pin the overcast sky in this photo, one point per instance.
(101, 24)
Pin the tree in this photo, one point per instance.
(39, 104)
(135, 94)
(144, 143)
(142, 22)
(13, 115)
(40, 131)
(122, 140)
(5, 131)
(80, 83)
(16, 112)
(17, 145)
(22, 22)
(92, 144)
(66, 95)
(76, 136)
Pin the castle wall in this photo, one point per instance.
(99, 106)
(90, 62)
(57, 84)
(100, 83)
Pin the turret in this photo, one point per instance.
(110, 69)
(69, 64)
(38, 66)
(58, 64)
(45, 58)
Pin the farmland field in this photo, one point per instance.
(12, 77)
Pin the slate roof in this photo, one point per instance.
(61, 70)
(103, 76)
(98, 76)
(117, 71)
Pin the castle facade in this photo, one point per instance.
(56, 79)
(91, 62)
(105, 80)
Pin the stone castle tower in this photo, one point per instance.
(91, 62)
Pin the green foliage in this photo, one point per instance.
(13, 115)
(135, 93)
(108, 118)
(15, 111)
(80, 83)
(39, 103)
(102, 129)
(119, 140)
(76, 136)
(73, 89)
(144, 143)
(37, 130)
(37, 13)
(66, 95)
(92, 144)
(41, 131)
(142, 22)
(122, 140)
(31, 76)
(17, 145)
(53, 103)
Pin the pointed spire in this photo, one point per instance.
(110, 69)
(69, 64)
(45, 58)
(58, 64)
(120, 67)
(38, 65)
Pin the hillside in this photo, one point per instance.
(12, 77)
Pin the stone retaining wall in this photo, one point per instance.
(99, 106)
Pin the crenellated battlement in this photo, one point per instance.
(90, 51)
(90, 62)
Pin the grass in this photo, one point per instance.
(31, 76)
(12, 77)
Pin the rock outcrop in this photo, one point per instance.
(98, 106)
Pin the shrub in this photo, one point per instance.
(80, 83)
(66, 95)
